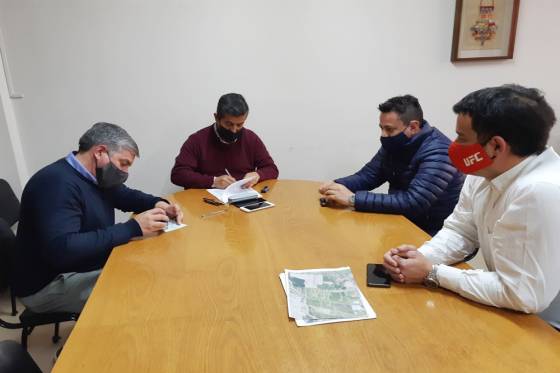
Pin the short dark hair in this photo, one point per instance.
(110, 135)
(518, 114)
(232, 104)
(407, 107)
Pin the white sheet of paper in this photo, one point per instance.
(172, 226)
(370, 311)
(235, 188)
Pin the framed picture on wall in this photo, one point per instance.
(484, 30)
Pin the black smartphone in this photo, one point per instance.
(377, 276)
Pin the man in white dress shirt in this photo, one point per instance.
(509, 207)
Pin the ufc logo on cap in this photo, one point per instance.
(472, 159)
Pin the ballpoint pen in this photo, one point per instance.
(212, 214)
(227, 172)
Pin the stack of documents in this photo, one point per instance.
(321, 296)
(235, 192)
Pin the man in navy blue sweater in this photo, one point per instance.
(424, 186)
(67, 221)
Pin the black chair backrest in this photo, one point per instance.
(14, 359)
(7, 247)
(9, 203)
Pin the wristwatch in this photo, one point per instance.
(431, 281)
(352, 200)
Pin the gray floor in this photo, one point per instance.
(40, 345)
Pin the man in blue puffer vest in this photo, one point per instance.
(424, 186)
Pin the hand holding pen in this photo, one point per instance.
(223, 181)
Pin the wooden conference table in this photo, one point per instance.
(207, 298)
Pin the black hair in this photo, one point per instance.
(232, 104)
(518, 114)
(407, 107)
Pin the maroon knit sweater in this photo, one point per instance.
(204, 156)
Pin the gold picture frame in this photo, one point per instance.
(484, 30)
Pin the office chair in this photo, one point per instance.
(14, 359)
(9, 211)
(28, 319)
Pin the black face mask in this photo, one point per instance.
(110, 176)
(394, 143)
(225, 135)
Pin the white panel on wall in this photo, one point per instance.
(8, 169)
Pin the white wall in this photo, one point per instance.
(313, 72)
(8, 170)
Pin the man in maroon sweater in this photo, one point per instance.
(224, 152)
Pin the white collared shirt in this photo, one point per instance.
(515, 221)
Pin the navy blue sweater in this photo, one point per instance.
(423, 184)
(67, 224)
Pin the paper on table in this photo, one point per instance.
(300, 322)
(236, 189)
(172, 225)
